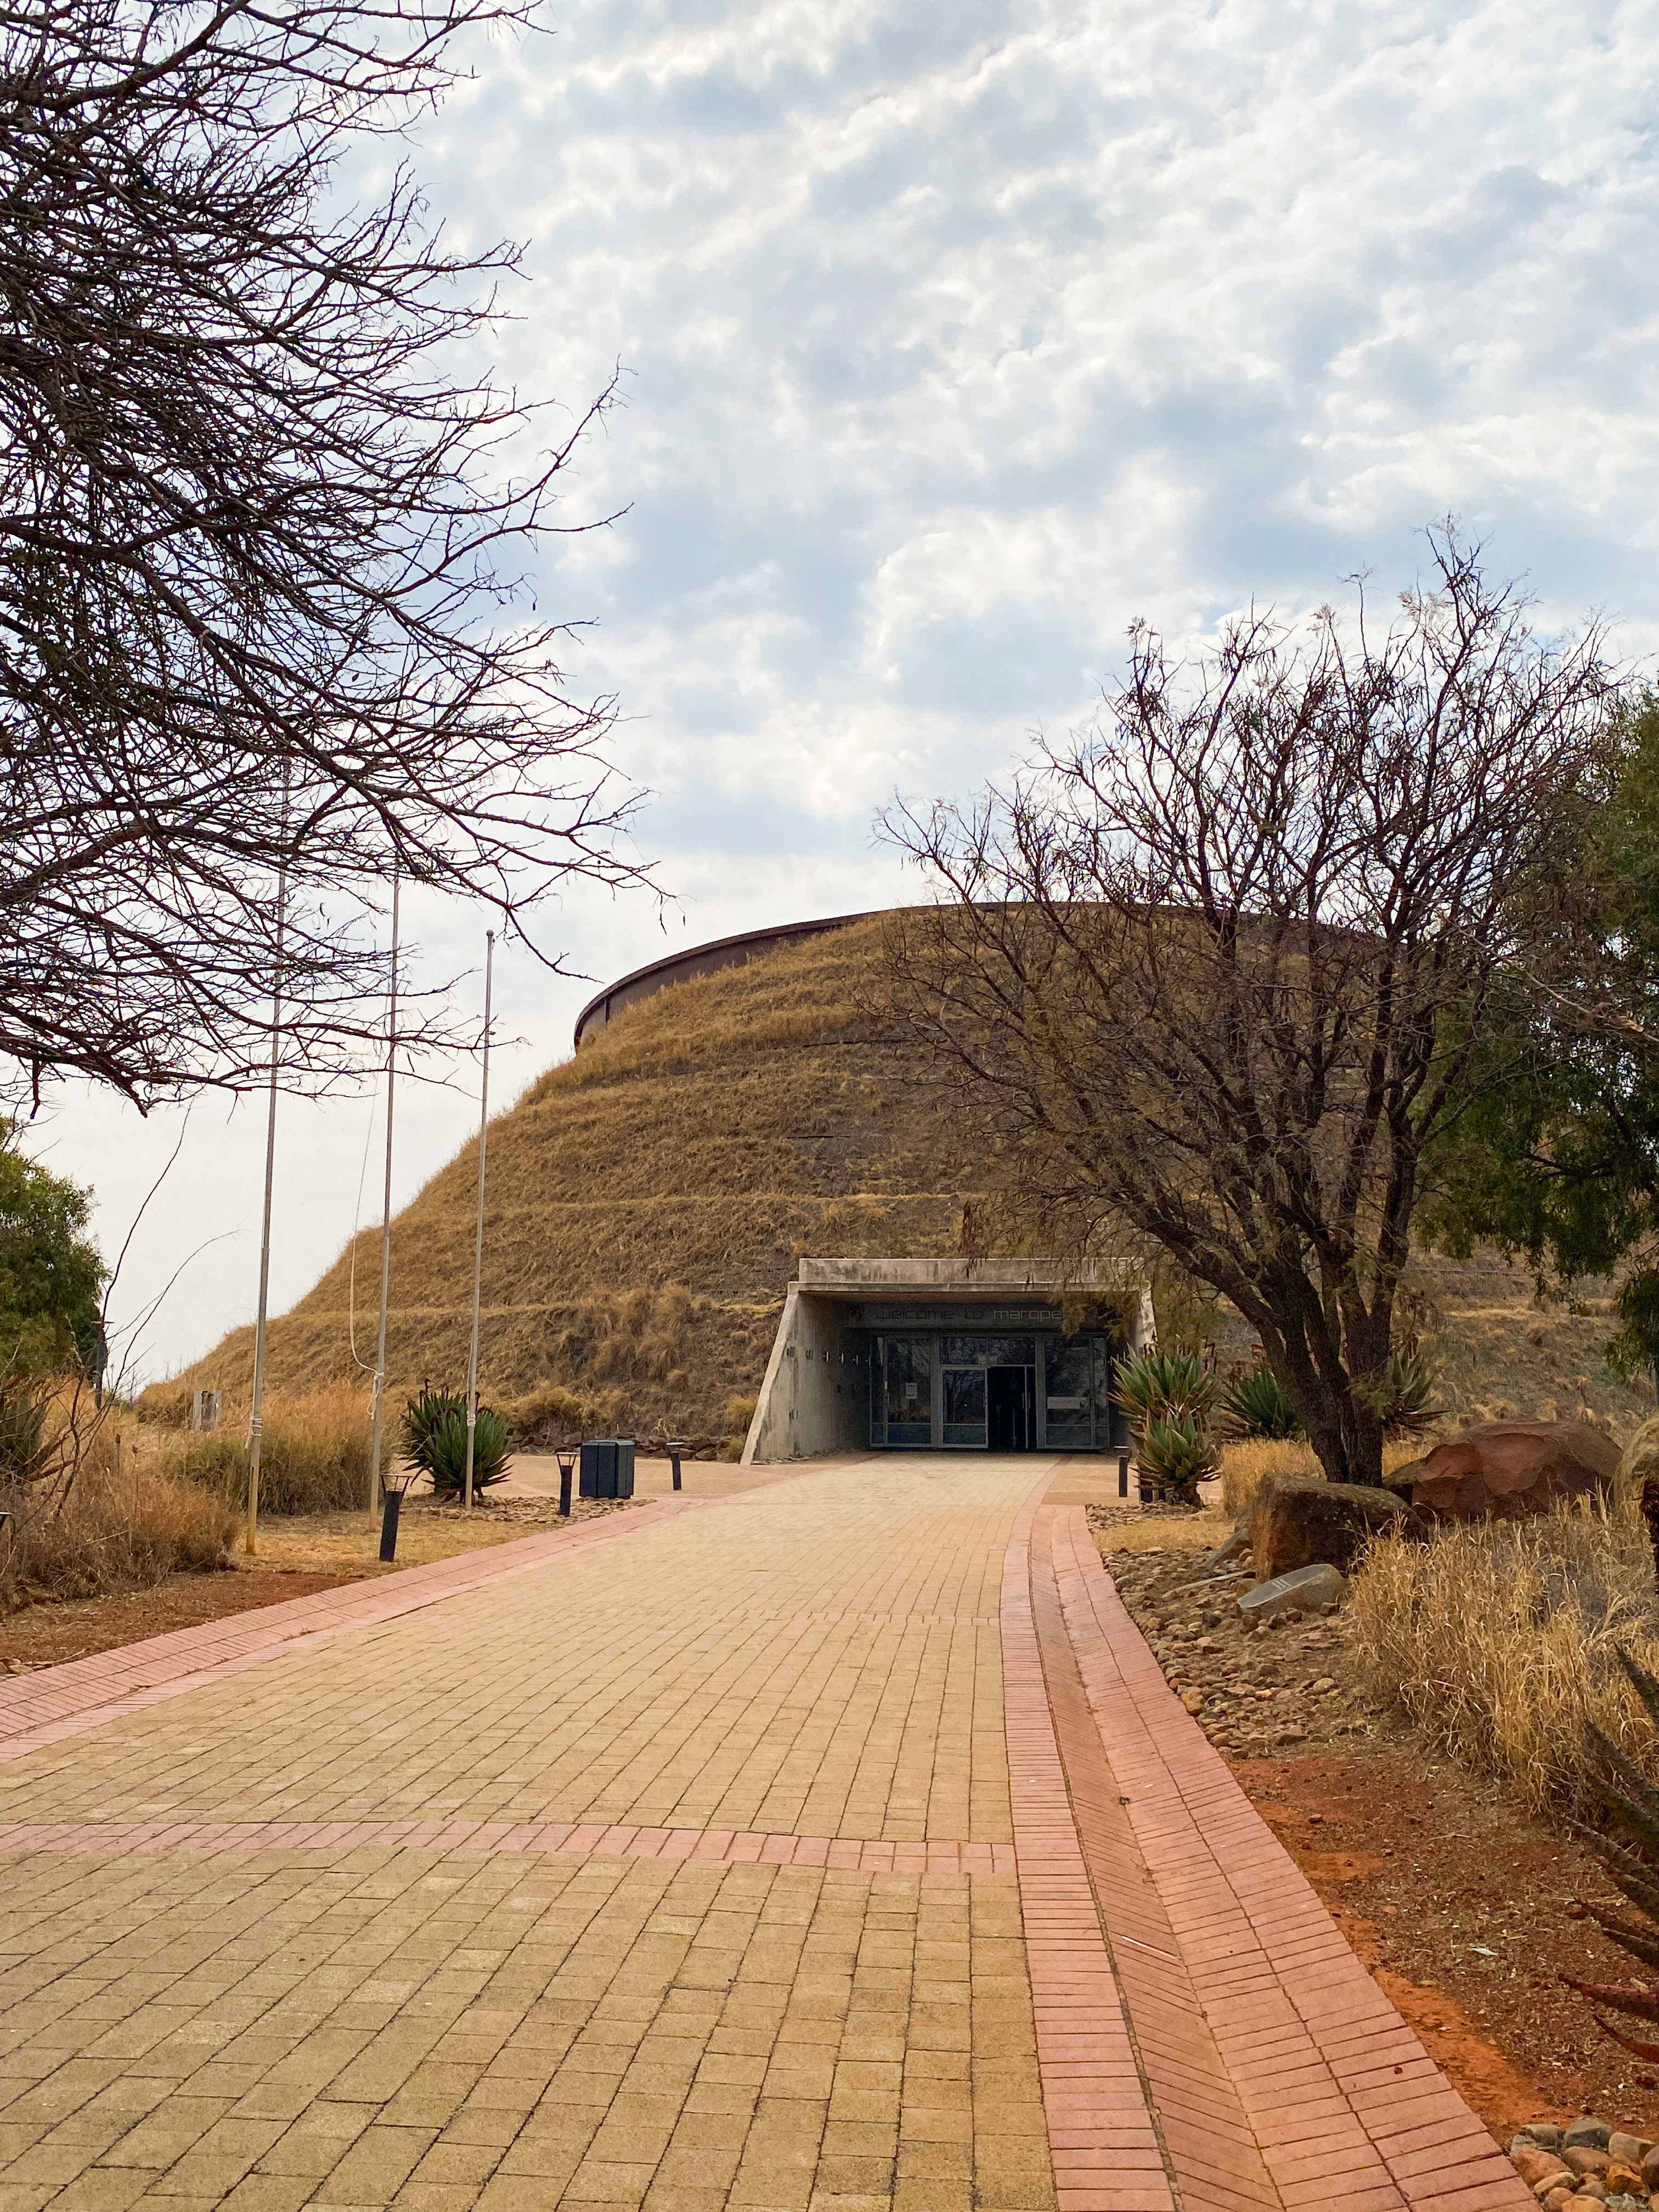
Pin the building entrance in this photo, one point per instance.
(1011, 1407)
(953, 1390)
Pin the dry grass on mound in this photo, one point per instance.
(1498, 1640)
(117, 1525)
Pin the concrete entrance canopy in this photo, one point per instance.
(824, 1380)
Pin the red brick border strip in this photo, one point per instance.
(1103, 2139)
(726, 1846)
(1207, 2136)
(1348, 2108)
(63, 1701)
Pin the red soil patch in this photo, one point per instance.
(46, 1635)
(1458, 1903)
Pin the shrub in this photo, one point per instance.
(116, 1526)
(313, 1455)
(1500, 1640)
(434, 1439)
(22, 1430)
(550, 1416)
(1254, 1405)
(1177, 1449)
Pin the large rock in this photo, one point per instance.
(1506, 1470)
(1297, 1520)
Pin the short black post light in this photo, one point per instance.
(675, 1447)
(394, 1480)
(567, 1469)
(1122, 1473)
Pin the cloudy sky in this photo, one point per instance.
(951, 338)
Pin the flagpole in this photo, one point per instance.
(378, 1433)
(256, 1415)
(478, 1241)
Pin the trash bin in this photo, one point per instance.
(607, 1467)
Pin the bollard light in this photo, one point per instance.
(394, 1481)
(567, 1468)
(1123, 1474)
(675, 1447)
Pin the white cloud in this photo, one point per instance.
(955, 337)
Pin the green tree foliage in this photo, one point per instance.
(51, 1278)
(1555, 1156)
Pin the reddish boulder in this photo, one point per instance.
(1506, 1470)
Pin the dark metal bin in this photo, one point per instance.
(607, 1467)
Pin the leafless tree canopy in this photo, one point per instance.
(262, 555)
(1211, 972)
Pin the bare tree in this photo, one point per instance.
(265, 539)
(1213, 971)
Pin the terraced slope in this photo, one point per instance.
(649, 1197)
(648, 1201)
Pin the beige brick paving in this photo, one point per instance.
(820, 1658)
(378, 2027)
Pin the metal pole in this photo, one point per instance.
(478, 1241)
(256, 1416)
(378, 1432)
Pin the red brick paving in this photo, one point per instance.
(1344, 2104)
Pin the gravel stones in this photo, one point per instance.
(1590, 2167)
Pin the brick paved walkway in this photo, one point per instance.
(828, 1849)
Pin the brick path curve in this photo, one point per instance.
(833, 1847)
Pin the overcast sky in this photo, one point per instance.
(953, 338)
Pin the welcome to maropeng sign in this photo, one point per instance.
(958, 1317)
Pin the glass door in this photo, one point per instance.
(906, 1396)
(964, 1409)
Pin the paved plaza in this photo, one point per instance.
(829, 1847)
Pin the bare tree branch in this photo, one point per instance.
(1211, 971)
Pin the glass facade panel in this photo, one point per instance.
(907, 1389)
(965, 1407)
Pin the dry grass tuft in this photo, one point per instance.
(1246, 1467)
(1497, 1637)
(313, 1457)
(117, 1525)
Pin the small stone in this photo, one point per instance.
(1293, 1734)
(1623, 2180)
(1544, 2133)
(1582, 2201)
(1537, 2167)
(1650, 2169)
(1586, 2133)
(1592, 2186)
(1192, 1699)
(1558, 2199)
(1583, 2157)
(1629, 2150)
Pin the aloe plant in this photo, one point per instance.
(1178, 1451)
(1632, 1803)
(434, 1438)
(1254, 1405)
(1149, 1385)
